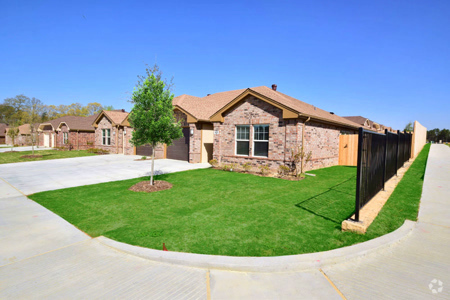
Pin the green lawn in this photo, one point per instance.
(13, 157)
(217, 212)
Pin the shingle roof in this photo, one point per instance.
(79, 123)
(115, 116)
(204, 108)
(358, 119)
(74, 122)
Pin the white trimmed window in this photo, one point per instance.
(242, 139)
(261, 140)
(106, 137)
(65, 137)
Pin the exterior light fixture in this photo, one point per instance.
(192, 131)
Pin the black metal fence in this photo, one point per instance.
(379, 158)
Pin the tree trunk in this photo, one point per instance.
(153, 165)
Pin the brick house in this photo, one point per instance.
(261, 126)
(257, 125)
(113, 132)
(3, 127)
(73, 132)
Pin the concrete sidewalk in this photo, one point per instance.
(71, 265)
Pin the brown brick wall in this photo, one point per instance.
(253, 111)
(116, 143)
(195, 143)
(78, 140)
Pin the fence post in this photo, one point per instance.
(385, 158)
(358, 172)
(396, 158)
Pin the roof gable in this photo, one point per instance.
(115, 117)
(287, 112)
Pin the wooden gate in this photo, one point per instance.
(348, 150)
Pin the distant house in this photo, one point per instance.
(3, 127)
(73, 132)
(24, 138)
(369, 124)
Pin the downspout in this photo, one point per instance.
(117, 139)
(303, 143)
(123, 141)
(78, 140)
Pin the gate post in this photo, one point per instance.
(358, 173)
(385, 158)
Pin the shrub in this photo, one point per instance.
(144, 157)
(89, 143)
(247, 166)
(97, 151)
(283, 170)
(232, 167)
(213, 162)
(264, 169)
(226, 167)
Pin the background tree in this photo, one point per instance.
(152, 114)
(19, 105)
(409, 127)
(92, 109)
(444, 135)
(6, 113)
(435, 135)
(13, 133)
(108, 107)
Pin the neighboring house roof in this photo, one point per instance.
(3, 127)
(54, 123)
(115, 117)
(210, 107)
(73, 122)
(372, 125)
(78, 123)
(360, 120)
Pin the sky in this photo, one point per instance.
(388, 61)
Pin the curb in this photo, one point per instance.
(266, 264)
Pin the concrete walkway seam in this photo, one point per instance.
(266, 264)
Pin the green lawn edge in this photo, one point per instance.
(15, 157)
(248, 228)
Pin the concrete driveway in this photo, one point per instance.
(38, 176)
(26, 148)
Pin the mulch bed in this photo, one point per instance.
(273, 175)
(144, 186)
(31, 156)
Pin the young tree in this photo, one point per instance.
(13, 133)
(34, 109)
(152, 114)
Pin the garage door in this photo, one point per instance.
(180, 148)
(145, 150)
